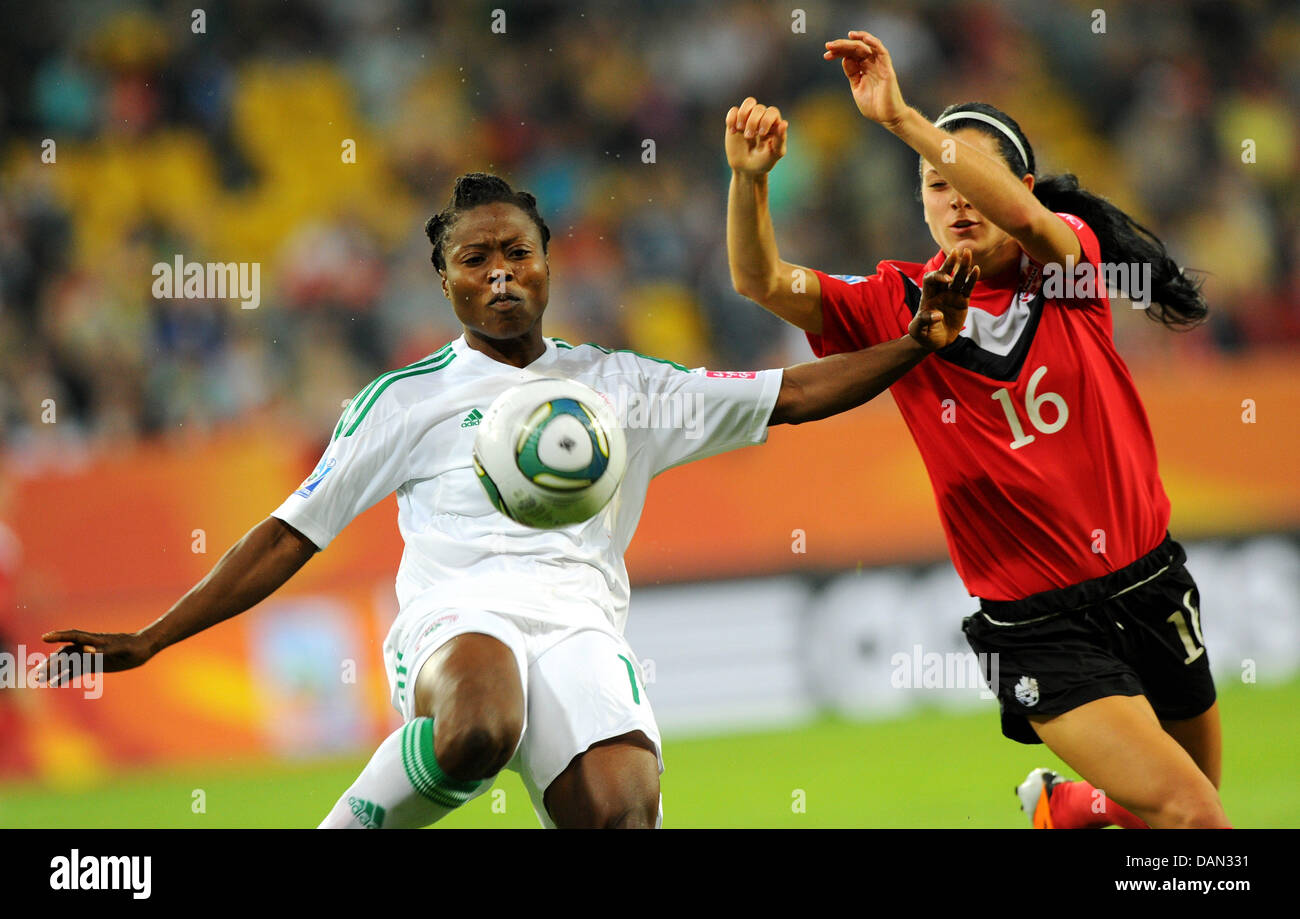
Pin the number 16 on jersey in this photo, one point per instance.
(1033, 401)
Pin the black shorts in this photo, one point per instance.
(1132, 632)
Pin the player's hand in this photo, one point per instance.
(120, 651)
(944, 297)
(871, 76)
(755, 137)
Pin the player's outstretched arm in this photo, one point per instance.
(983, 180)
(250, 571)
(819, 389)
(755, 141)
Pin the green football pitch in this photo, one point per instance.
(928, 770)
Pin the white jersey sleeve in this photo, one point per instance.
(367, 460)
(686, 415)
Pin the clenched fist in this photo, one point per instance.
(755, 137)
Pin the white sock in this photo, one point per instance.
(402, 786)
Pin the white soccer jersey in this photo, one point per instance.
(412, 431)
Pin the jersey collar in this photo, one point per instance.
(465, 352)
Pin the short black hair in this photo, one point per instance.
(471, 190)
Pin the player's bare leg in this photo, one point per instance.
(469, 715)
(470, 688)
(1202, 738)
(1118, 745)
(614, 785)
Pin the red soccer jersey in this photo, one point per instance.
(1031, 429)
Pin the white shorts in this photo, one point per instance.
(581, 686)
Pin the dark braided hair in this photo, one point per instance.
(1177, 301)
(473, 189)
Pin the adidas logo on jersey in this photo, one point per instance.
(368, 814)
(472, 419)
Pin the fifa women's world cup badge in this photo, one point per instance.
(309, 484)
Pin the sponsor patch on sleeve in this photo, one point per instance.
(732, 374)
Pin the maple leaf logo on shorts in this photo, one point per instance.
(1027, 691)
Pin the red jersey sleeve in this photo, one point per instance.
(1087, 238)
(858, 312)
(1091, 256)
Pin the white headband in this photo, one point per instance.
(987, 119)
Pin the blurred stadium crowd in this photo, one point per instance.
(229, 145)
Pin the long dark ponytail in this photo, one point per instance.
(1176, 298)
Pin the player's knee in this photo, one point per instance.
(643, 816)
(477, 749)
(1196, 810)
(631, 804)
(616, 814)
(1202, 815)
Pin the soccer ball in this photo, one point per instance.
(549, 453)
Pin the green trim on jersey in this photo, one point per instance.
(657, 360)
(379, 390)
(362, 404)
(355, 403)
(561, 343)
(360, 397)
(631, 678)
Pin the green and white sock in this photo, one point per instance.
(402, 785)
